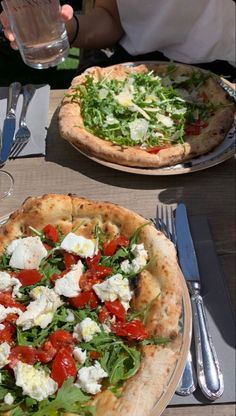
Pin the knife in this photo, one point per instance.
(9, 125)
(210, 377)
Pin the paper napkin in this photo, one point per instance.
(36, 118)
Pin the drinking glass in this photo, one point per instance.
(6, 184)
(39, 31)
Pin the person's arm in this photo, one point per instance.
(100, 28)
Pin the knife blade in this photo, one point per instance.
(9, 125)
(210, 377)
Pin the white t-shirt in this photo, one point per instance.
(190, 31)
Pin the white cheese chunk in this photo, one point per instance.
(115, 287)
(35, 383)
(80, 355)
(68, 285)
(7, 283)
(89, 377)
(26, 253)
(77, 244)
(9, 399)
(6, 311)
(125, 98)
(138, 129)
(166, 120)
(139, 261)
(70, 316)
(41, 310)
(86, 329)
(4, 354)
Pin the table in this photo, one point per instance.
(209, 192)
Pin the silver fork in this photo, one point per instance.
(165, 222)
(23, 134)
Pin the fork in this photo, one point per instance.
(165, 222)
(23, 134)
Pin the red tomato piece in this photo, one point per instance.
(193, 130)
(110, 248)
(130, 330)
(156, 149)
(103, 315)
(55, 276)
(22, 353)
(102, 271)
(51, 233)
(88, 298)
(29, 277)
(203, 95)
(116, 308)
(61, 338)
(47, 246)
(63, 366)
(70, 259)
(46, 352)
(7, 300)
(93, 261)
(88, 279)
(11, 317)
(7, 333)
(94, 355)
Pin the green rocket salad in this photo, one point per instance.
(145, 109)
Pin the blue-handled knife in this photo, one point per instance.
(210, 378)
(9, 125)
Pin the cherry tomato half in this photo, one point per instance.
(130, 330)
(51, 233)
(7, 333)
(22, 353)
(7, 300)
(70, 259)
(110, 248)
(103, 315)
(63, 366)
(116, 308)
(46, 352)
(94, 355)
(90, 278)
(29, 277)
(93, 261)
(85, 298)
(157, 149)
(61, 338)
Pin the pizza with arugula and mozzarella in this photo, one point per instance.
(150, 115)
(90, 305)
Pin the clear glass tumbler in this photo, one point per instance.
(39, 30)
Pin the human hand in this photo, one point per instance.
(66, 12)
(7, 30)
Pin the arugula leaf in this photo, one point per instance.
(36, 336)
(4, 261)
(135, 236)
(118, 359)
(156, 341)
(68, 399)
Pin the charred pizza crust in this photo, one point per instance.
(72, 128)
(162, 277)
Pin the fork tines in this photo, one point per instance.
(166, 221)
